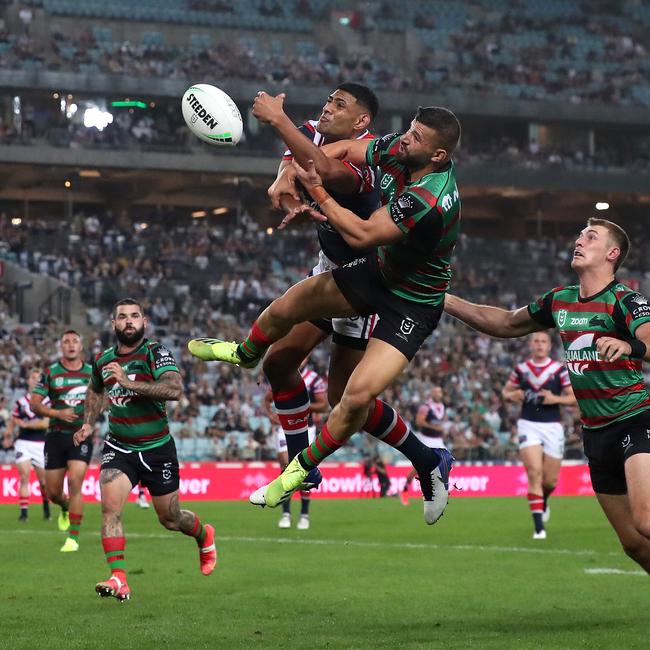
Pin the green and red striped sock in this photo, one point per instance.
(321, 448)
(198, 531)
(75, 524)
(114, 552)
(255, 344)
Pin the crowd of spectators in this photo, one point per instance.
(565, 52)
(199, 278)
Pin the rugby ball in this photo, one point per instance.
(212, 115)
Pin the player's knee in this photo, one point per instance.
(74, 485)
(356, 399)
(534, 474)
(280, 311)
(642, 523)
(168, 522)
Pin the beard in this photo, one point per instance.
(129, 338)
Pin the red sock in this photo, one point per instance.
(114, 551)
(535, 503)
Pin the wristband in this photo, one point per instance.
(319, 194)
(638, 349)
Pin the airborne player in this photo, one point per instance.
(605, 329)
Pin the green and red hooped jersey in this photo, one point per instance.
(606, 391)
(66, 389)
(135, 421)
(418, 267)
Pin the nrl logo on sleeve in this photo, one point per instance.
(561, 317)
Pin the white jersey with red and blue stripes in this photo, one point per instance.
(22, 410)
(434, 413)
(534, 377)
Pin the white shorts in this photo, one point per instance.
(430, 441)
(30, 450)
(353, 331)
(550, 435)
(281, 439)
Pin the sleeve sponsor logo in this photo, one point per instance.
(637, 305)
(163, 358)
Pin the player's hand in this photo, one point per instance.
(516, 396)
(284, 184)
(82, 434)
(268, 109)
(610, 349)
(7, 443)
(301, 210)
(547, 397)
(116, 370)
(309, 177)
(67, 415)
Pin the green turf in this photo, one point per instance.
(369, 574)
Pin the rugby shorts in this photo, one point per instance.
(30, 451)
(60, 448)
(549, 435)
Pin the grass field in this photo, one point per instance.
(369, 574)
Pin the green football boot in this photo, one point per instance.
(280, 489)
(217, 350)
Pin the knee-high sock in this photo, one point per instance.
(292, 407)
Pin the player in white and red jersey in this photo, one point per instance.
(429, 422)
(317, 389)
(29, 431)
(347, 114)
(540, 384)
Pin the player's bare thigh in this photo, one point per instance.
(312, 298)
(378, 368)
(637, 477)
(619, 514)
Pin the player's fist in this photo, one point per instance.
(267, 108)
(611, 349)
(82, 434)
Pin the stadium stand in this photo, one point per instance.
(522, 50)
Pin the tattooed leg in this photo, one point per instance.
(170, 514)
(115, 487)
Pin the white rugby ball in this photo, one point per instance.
(212, 115)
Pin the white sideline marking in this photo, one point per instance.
(352, 543)
(618, 572)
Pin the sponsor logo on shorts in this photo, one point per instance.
(627, 442)
(84, 449)
(108, 457)
(167, 472)
(406, 327)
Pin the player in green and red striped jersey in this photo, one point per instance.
(65, 383)
(605, 329)
(404, 282)
(138, 376)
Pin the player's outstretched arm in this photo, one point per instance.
(494, 321)
(378, 229)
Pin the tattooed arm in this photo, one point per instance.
(93, 406)
(168, 387)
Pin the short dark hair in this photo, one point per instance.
(443, 122)
(617, 234)
(363, 95)
(71, 332)
(126, 301)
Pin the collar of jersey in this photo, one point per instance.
(117, 354)
(604, 290)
